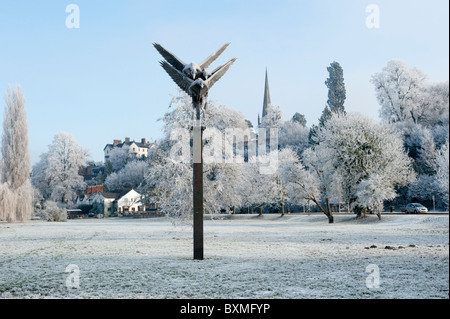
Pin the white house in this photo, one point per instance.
(127, 201)
(130, 202)
(136, 149)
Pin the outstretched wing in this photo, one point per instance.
(207, 62)
(176, 62)
(179, 78)
(218, 73)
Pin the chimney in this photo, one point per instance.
(143, 141)
(116, 142)
(127, 140)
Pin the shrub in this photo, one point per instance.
(53, 213)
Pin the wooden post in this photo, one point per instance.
(198, 90)
(198, 182)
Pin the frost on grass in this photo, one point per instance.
(297, 256)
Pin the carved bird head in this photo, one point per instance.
(193, 70)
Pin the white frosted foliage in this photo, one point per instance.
(15, 193)
(56, 175)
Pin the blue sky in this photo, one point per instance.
(103, 81)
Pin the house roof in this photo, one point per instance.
(138, 144)
(142, 145)
(110, 195)
(108, 145)
(125, 191)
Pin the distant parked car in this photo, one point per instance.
(416, 208)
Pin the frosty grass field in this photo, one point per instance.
(296, 256)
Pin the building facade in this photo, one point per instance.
(136, 149)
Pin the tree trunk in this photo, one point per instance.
(234, 209)
(330, 214)
(261, 209)
(282, 208)
(360, 212)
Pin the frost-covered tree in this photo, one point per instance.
(15, 168)
(299, 118)
(425, 154)
(423, 189)
(321, 187)
(263, 181)
(259, 189)
(131, 176)
(302, 185)
(119, 157)
(169, 186)
(39, 177)
(326, 114)
(273, 118)
(58, 169)
(8, 203)
(294, 135)
(397, 89)
(442, 171)
(169, 178)
(405, 96)
(336, 92)
(336, 98)
(351, 150)
(15, 156)
(336, 88)
(53, 213)
(441, 132)
(421, 143)
(372, 192)
(434, 104)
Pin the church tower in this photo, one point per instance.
(266, 101)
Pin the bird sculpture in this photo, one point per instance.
(193, 78)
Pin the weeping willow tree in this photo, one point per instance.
(15, 186)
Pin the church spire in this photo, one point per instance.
(266, 102)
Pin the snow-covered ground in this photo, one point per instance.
(296, 256)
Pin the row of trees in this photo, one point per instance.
(419, 111)
(347, 158)
(353, 160)
(54, 178)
